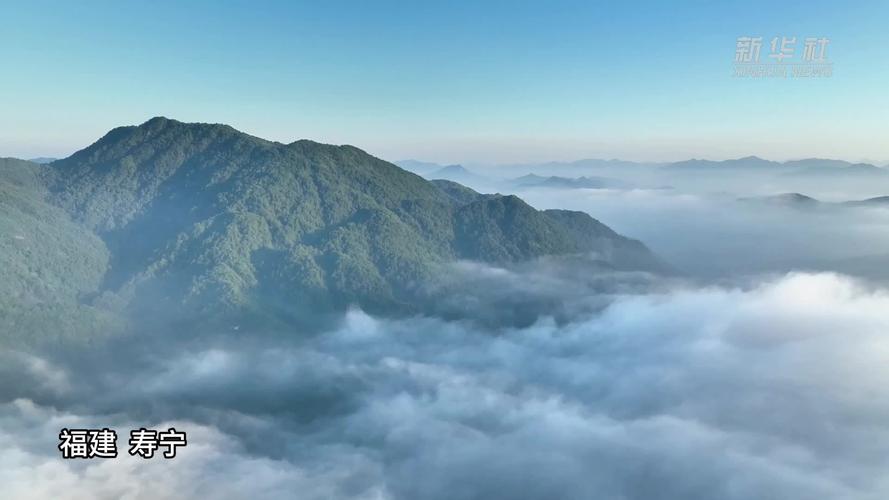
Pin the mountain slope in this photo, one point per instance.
(618, 251)
(458, 193)
(49, 262)
(879, 201)
(191, 212)
(418, 167)
(203, 220)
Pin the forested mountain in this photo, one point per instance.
(51, 266)
(204, 221)
(460, 194)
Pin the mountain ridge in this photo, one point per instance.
(204, 219)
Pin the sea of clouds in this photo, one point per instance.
(718, 235)
(773, 390)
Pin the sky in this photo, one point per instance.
(469, 82)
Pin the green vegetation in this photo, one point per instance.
(458, 193)
(204, 221)
(50, 264)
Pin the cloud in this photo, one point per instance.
(213, 465)
(517, 295)
(775, 390)
(713, 235)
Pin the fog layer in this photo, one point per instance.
(773, 391)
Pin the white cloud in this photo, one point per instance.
(775, 391)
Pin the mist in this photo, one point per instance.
(755, 369)
(770, 391)
(725, 224)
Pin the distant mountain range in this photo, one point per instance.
(746, 162)
(566, 167)
(557, 182)
(207, 223)
(797, 200)
(805, 167)
(419, 167)
(455, 173)
(858, 170)
(811, 167)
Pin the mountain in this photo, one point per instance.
(459, 193)
(455, 173)
(814, 169)
(576, 167)
(207, 223)
(509, 230)
(418, 167)
(817, 163)
(600, 163)
(808, 166)
(880, 201)
(590, 167)
(857, 170)
(42, 160)
(557, 182)
(620, 168)
(793, 200)
(797, 200)
(50, 263)
(747, 162)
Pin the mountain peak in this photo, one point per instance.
(456, 173)
(453, 169)
(207, 217)
(787, 199)
(159, 121)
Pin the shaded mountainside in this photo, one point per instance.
(203, 219)
(508, 227)
(460, 194)
(50, 264)
(591, 235)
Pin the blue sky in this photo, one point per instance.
(449, 81)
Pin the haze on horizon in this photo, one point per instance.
(464, 84)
